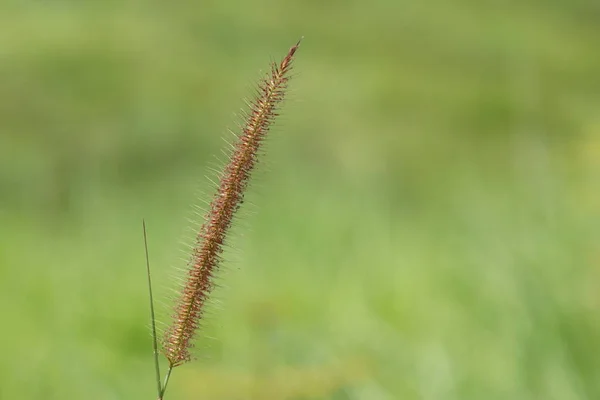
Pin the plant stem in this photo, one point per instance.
(164, 386)
(153, 319)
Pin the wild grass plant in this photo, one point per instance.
(206, 254)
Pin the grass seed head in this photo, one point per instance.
(206, 253)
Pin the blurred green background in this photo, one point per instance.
(425, 224)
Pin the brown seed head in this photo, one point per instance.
(205, 258)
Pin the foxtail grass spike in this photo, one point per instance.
(206, 253)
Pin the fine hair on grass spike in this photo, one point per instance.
(206, 253)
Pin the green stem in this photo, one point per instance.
(164, 386)
(153, 319)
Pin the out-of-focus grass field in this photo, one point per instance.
(425, 224)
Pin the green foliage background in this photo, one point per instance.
(425, 224)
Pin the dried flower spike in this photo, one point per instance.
(205, 258)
